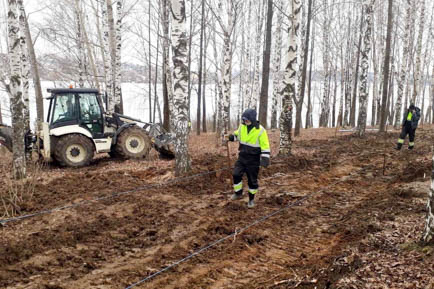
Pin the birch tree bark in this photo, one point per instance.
(386, 67)
(356, 76)
(348, 76)
(253, 103)
(303, 72)
(15, 92)
(288, 92)
(263, 100)
(368, 6)
(417, 69)
(180, 96)
(325, 103)
(432, 94)
(199, 90)
(276, 64)
(428, 234)
(25, 68)
(228, 28)
(118, 54)
(246, 71)
(167, 70)
(107, 59)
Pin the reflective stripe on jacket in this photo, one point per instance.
(254, 142)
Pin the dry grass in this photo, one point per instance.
(14, 192)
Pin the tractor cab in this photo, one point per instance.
(76, 107)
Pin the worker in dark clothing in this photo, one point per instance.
(254, 151)
(409, 126)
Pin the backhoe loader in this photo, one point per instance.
(77, 127)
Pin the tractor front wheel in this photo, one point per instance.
(133, 142)
(74, 150)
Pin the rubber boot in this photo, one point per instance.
(237, 196)
(398, 146)
(251, 203)
(410, 147)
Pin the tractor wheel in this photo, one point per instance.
(74, 150)
(133, 142)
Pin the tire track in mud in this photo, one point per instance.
(82, 233)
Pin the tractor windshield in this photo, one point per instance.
(65, 108)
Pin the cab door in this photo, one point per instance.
(91, 116)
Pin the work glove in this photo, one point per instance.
(265, 162)
(231, 137)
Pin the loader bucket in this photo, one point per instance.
(6, 137)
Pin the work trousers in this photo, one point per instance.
(407, 130)
(248, 165)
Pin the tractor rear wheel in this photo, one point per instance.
(74, 150)
(133, 142)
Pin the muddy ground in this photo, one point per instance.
(359, 226)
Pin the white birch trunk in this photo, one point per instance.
(258, 44)
(167, 66)
(107, 59)
(118, 54)
(180, 95)
(226, 80)
(227, 72)
(15, 92)
(288, 92)
(25, 67)
(428, 234)
(247, 62)
(418, 72)
(325, 103)
(404, 65)
(368, 6)
(276, 64)
(219, 91)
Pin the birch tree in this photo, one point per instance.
(180, 95)
(263, 101)
(254, 96)
(386, 67)
(199, 90)
(25, 68)
(247, 60)
(276, 64)
(107, 56)
(288, 92)
(118, 58)
(417, 69)
(15, 92)
(363, 99)
(325, 103)
(300, 99)
(232, 7)
(428, 234)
